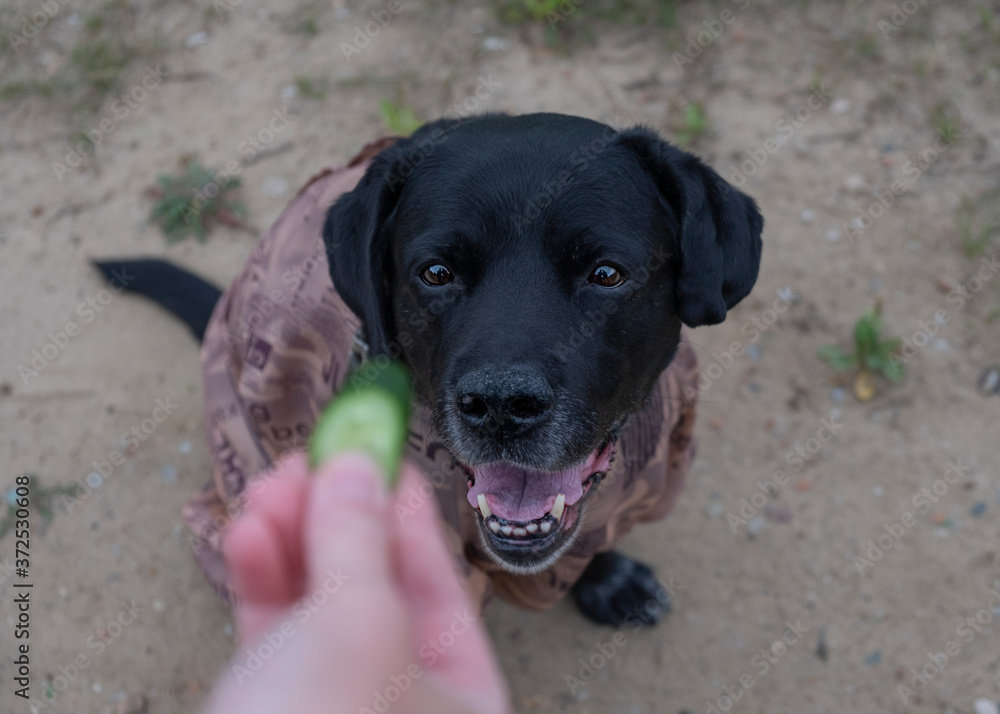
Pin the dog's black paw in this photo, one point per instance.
(616, 590)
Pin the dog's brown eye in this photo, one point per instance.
(607, 277)
(437, 275)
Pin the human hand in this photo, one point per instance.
(390, 600)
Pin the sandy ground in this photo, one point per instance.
(121, 547)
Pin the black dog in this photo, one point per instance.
(471, 248)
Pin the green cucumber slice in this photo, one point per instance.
(371, 416)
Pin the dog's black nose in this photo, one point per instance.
(509, 399)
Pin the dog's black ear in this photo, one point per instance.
(356, 236)
(718, 229)
(358, 229)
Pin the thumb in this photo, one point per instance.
(345, 530)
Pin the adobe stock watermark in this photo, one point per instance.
(763, 661)
(911, 171)
(784, 130)
(460, 110)
(96, 645)
(605, 651)
(753, 329)
(576, 165)
(416, 496)
(137, 434)
(796, 458)
(32, 24)
(364, 34)
(267, 645)
(261, 309)
(233, 508)
(563, 11)
(87, 310)
(901, 14)
(248, 149)
(582, 333)
(958, 297)
(121, 108)
(922, 500)
(706, 37)
(965, 632)
(428, 654)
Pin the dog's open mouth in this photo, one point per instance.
(525, 513)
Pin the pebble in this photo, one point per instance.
(159, 605)
(753, 352)
(754, 387)
(839, 107)
(942, 345)
(493, 44)
(275, 186)
(878, 490)
(874, 658)
(984, 706)
(185, 447)
(833, 234)
(837, 395)
(807, 216)
(132, 704)
(788, 294)
(802, 485)
(289, 91)
(755, 526)
(169, 473)
(778, 514)
(94, 479)
(198, 38)
(989, 381)
(855, 182)
(978, 509)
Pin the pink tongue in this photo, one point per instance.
(519, 494)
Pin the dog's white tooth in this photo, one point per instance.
(507, 530)
(483, 508)
(558, 506)
(531, 527)
(495, 526)
(546, 526)
(520, 532)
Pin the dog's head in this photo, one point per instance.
(533, 272)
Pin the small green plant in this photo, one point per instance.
(305, 21)
(978, 222)
(692, 124)
(41, 498)
(16, 90)
(190, 203)
(538, 10)
(873, 354)
(400, 118)
(946, 122)
(310, 88)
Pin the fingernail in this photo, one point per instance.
(353, 477)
